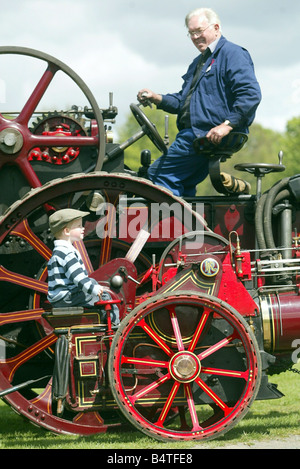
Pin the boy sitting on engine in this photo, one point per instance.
(68, 281)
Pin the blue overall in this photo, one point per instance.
(226, 89)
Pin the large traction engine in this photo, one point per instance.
(206, 314)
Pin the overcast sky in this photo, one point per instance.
(125, 45)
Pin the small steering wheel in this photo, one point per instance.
(149, 128)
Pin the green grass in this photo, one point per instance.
(274, 419)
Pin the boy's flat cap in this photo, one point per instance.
(59, 219)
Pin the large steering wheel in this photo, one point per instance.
(149, 128)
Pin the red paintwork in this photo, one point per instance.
(160, 381)
(283, 321)
(234, 292)
(176, 332)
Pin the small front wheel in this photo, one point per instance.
(184, 366)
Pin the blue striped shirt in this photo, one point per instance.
(66, 272)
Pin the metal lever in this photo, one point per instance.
(111, 96)
(133, 279)
(166, 137)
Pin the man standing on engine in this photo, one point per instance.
(220, 93)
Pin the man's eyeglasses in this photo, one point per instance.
(198, 32)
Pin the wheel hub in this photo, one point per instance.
(185, 367)
(11, 140)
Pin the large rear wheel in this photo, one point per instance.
(27, 340)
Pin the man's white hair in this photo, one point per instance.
(208, 13)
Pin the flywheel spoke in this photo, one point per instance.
(65, 140)
(37, 95)
(27, 169)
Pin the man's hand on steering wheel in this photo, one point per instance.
(146, 95)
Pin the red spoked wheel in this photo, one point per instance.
(184, 366)
(17, 140)
(27, 340)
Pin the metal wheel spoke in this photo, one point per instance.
(168, 404)
(199, 330)
(145, 361)
(45, 397)
(231, 373)
(31, 140)
(84, 255)
(192, 408)
(62, 140)
(213, 396)
(24, 231)
(149, 388)
(182, 403)
(112, 200)
(21, 316)
(23, 280)
(157, 339)
(107, 241)
(176, 328)
(27, 169)
(15, 362)
(37, 94)
(222, 343)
